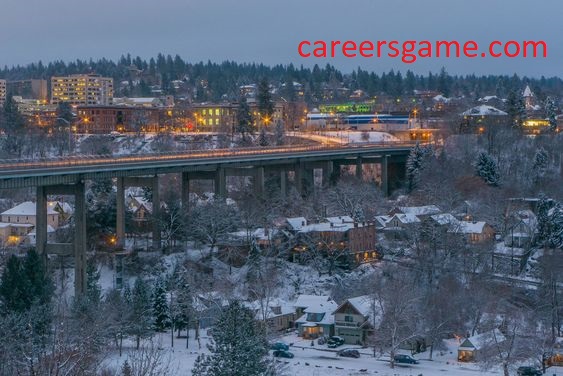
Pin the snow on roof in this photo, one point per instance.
(527, 92)
(441, 98)
(467, 227)
(297, 223)
(259, 233)
(420, 210)
(503, 250)
(406, 218)
(327, 226)
(478, 341)
(276, 307)
(445, 219)
(487, 98)
(363, 304)
(484, 110)
(26, 208)
(4, 224)
(383, 219)
(304, 301)
(340, 219)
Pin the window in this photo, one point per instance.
(348, 319)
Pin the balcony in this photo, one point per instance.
(347, 324)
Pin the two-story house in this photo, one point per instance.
(355, 319)
(317, 319)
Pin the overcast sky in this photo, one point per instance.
(269, 31)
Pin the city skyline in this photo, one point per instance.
(269, 33)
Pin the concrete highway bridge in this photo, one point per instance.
(67, 176)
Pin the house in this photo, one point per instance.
(5, 232)
(346, 240)
(279, 314)
(24, 213)
(354, 320)
(31, 237)
(556, 358)
(469, 348)
(317, 319)
(474, 232)
(521, 228)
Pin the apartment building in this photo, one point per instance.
(82, 89)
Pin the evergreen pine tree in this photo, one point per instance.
(543, 208)
(540, 163)
(238, 346)
(358, 215)
(487, 168)
(265, 105)
(141, 325)
(555, 239)
(93, 289)
(516, 109)
(416, 162)
(244, 119)
(262, 137)
(161, 309)
(126, 369)
(551, 113)
(253, 262)
(14, 288)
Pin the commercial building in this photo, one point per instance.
(82, 89)
(107, 119)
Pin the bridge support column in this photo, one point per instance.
(41, 222)
(80, 243)
(283, 183)
(384, 176)
(328, 170)
(185, 187)
(156, 234)
(258, 183)
(359, 171)
(220, 183)
(120, 212)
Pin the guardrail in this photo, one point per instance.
(89, 160)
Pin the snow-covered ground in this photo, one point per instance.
(320, 361)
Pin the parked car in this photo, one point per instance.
(349, 353)
(321, 340)
(405, 359)
(335, 341)
(279, 346)
(528, 371)
(283, 354)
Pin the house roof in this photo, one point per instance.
(304, 301)
(444, 219)
(478, 341)
(467, 227)
(406, 218)
(297, 223)
(420, 210)
(340, 219)
(484, 110)
(26, 208)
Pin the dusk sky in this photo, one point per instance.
(269, 31)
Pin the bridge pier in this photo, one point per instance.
(384, 176)
(78, 249)
(258, 181)
(220, 182)
(359, 170)
(328, 171)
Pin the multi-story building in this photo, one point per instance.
(82, 89)
(213, 117)
(2, 92)
(29, 89)
(107, 119)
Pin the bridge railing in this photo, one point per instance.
(102, 159)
